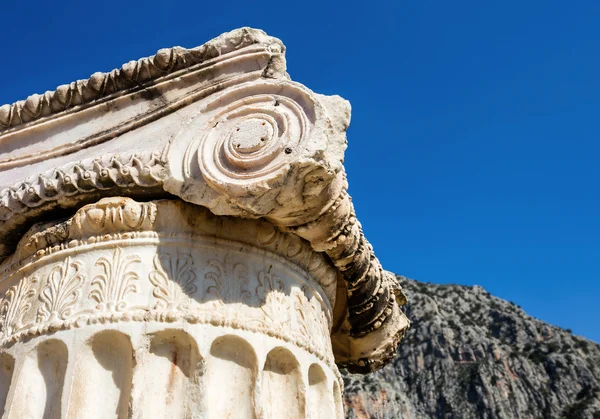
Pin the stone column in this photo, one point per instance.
(161, 309)
(176, 241)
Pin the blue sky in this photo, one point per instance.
(474, 145)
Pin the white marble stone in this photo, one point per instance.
(182, 312)
(228, 244)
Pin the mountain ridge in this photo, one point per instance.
(469, 354)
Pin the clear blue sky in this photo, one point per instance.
(474, 144)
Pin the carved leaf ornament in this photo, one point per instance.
(173, 280)
(61, 291)
(116, 279)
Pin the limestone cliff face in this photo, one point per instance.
(472, 355)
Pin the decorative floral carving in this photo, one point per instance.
(14, 305)
(311, 322)
(295, 250)
(273, 300)
(303, 314)
(322, 323)
(61, 292)
(229, 281)
(115, 281)
(173, 280)
(197, 315)
(268, 283)
(266, 148)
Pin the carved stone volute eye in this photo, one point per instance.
(245, 150)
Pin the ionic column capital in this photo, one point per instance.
(220, 126)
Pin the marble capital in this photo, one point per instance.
(162, 309)
(221, 128)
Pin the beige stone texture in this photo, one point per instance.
(162, 309)
(186, 214)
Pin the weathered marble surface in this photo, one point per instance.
(184, 313)
(221, 132)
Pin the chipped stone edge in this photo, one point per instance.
(131, 75)
(373, 297)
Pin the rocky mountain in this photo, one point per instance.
(472, 355)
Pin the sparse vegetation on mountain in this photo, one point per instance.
(472, 355)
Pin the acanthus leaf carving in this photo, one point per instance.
(268, 283)
(303, 320)
(229, 281)
(173, 279)
(61, 291)
(260, 148)
(273, 300)
(321, 322)
(310, 318)
(15, 303)
(115, 281)
(303, 315)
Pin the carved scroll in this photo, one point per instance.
(252, 144)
